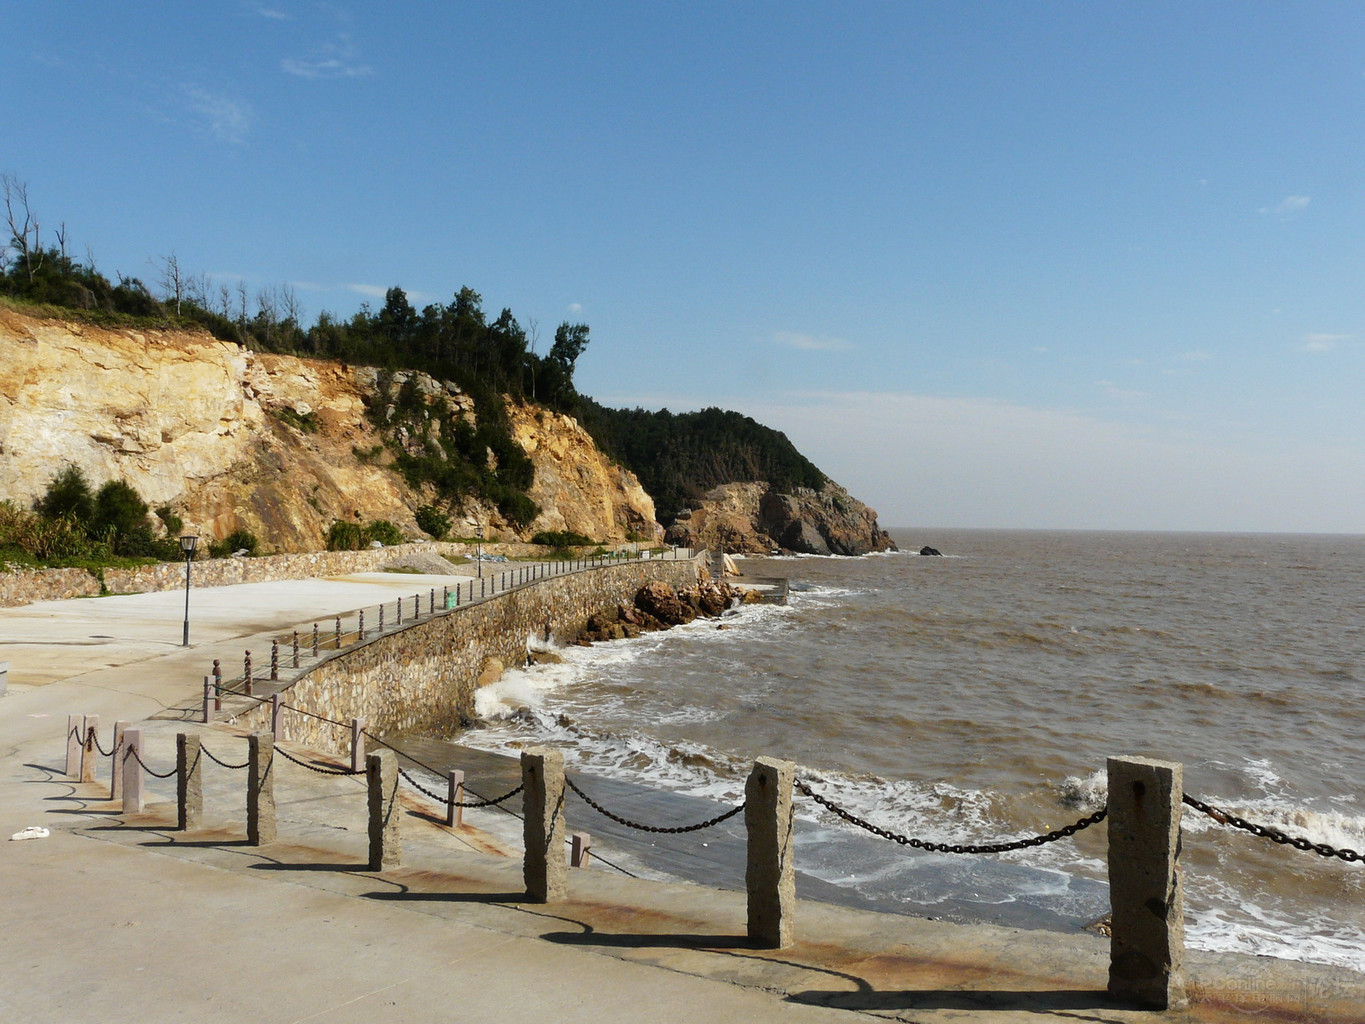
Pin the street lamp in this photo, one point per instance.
(187, 545)
(478, 532)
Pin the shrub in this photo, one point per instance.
(383, 531)
(560, 539)
(120, 520)
(68, 494)
(237, 540)
(433, 521)
(173, 523)
(345, 536)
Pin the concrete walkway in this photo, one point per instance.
(119, 917)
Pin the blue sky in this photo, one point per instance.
(1004, 265)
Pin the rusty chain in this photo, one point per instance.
(674, 830)
(93, 742)
(1268, 832)
(233, 767)
(921, 844)
(315, 768)
(132, 752)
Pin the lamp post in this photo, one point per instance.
(478, 532)
(187, 545)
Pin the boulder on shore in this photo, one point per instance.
(658, 606)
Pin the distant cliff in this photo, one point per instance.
(282, 446)
(753, 518)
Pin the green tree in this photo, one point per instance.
(68, 495)
(121, 521)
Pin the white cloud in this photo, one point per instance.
(1287, 207)
(221, 117)
(810, 342)
(575, 308)
(1323, 342)
(374, 291)
(271, 13)
(331, 60)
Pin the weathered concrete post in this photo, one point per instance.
(88, 748)
(208, 699)
(75, 743)
(770, 876)
(1146, 894)
(381, 778)
(116, 775)
(260, 789)
(543, 867)
(133, 798)
(454, 797)
(189, 781)
(357, 744)
(580, 850)
(276, 715)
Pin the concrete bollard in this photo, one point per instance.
(207, 714)
(381, 778)
(580, 850)
(276, 715)
(770, 875)
(116, 773)
(543, 866)
(260, 789)
(1146, 893)
(88, 749)
(189, 781)
(75, 743)
(134, 799)
(454, 797)
(357, 744)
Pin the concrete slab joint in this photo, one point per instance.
(1147, 944)
(381, 778)
(544, 867)
(770, 875)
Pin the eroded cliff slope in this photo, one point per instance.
(275, 444)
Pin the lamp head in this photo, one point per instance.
(188, 543)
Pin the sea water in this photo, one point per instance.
(975, 697)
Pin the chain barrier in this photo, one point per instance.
(315, 768)
(1269, 832)
(132, 752)
(403, 754)
(467, 804)
(232, 767)
(320, 718)
(441, 798)
(94, 742)
(673, 830)
(921, 844)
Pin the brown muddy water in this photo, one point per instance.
(975, 697)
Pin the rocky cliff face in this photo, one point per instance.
(274, 444)
(749, 517)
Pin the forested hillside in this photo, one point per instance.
(680, 456)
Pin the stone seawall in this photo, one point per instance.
(30, 585)
(422, 678)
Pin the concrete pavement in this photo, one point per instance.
(119, 917)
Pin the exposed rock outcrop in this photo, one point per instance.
(658, 606)
(752, 518)
(274, 444)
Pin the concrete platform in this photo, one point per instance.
(121, 918)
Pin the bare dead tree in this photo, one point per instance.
(225, 302)
(241, 304)
(291, 306)
(22, 224)
(170, 278)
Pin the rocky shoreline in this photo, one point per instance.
(659, 606)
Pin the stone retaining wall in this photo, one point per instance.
(422, 678)
(27, 586)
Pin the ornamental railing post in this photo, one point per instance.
(1146, 891)
(246, 674)
(274, 660)
(770, 874)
